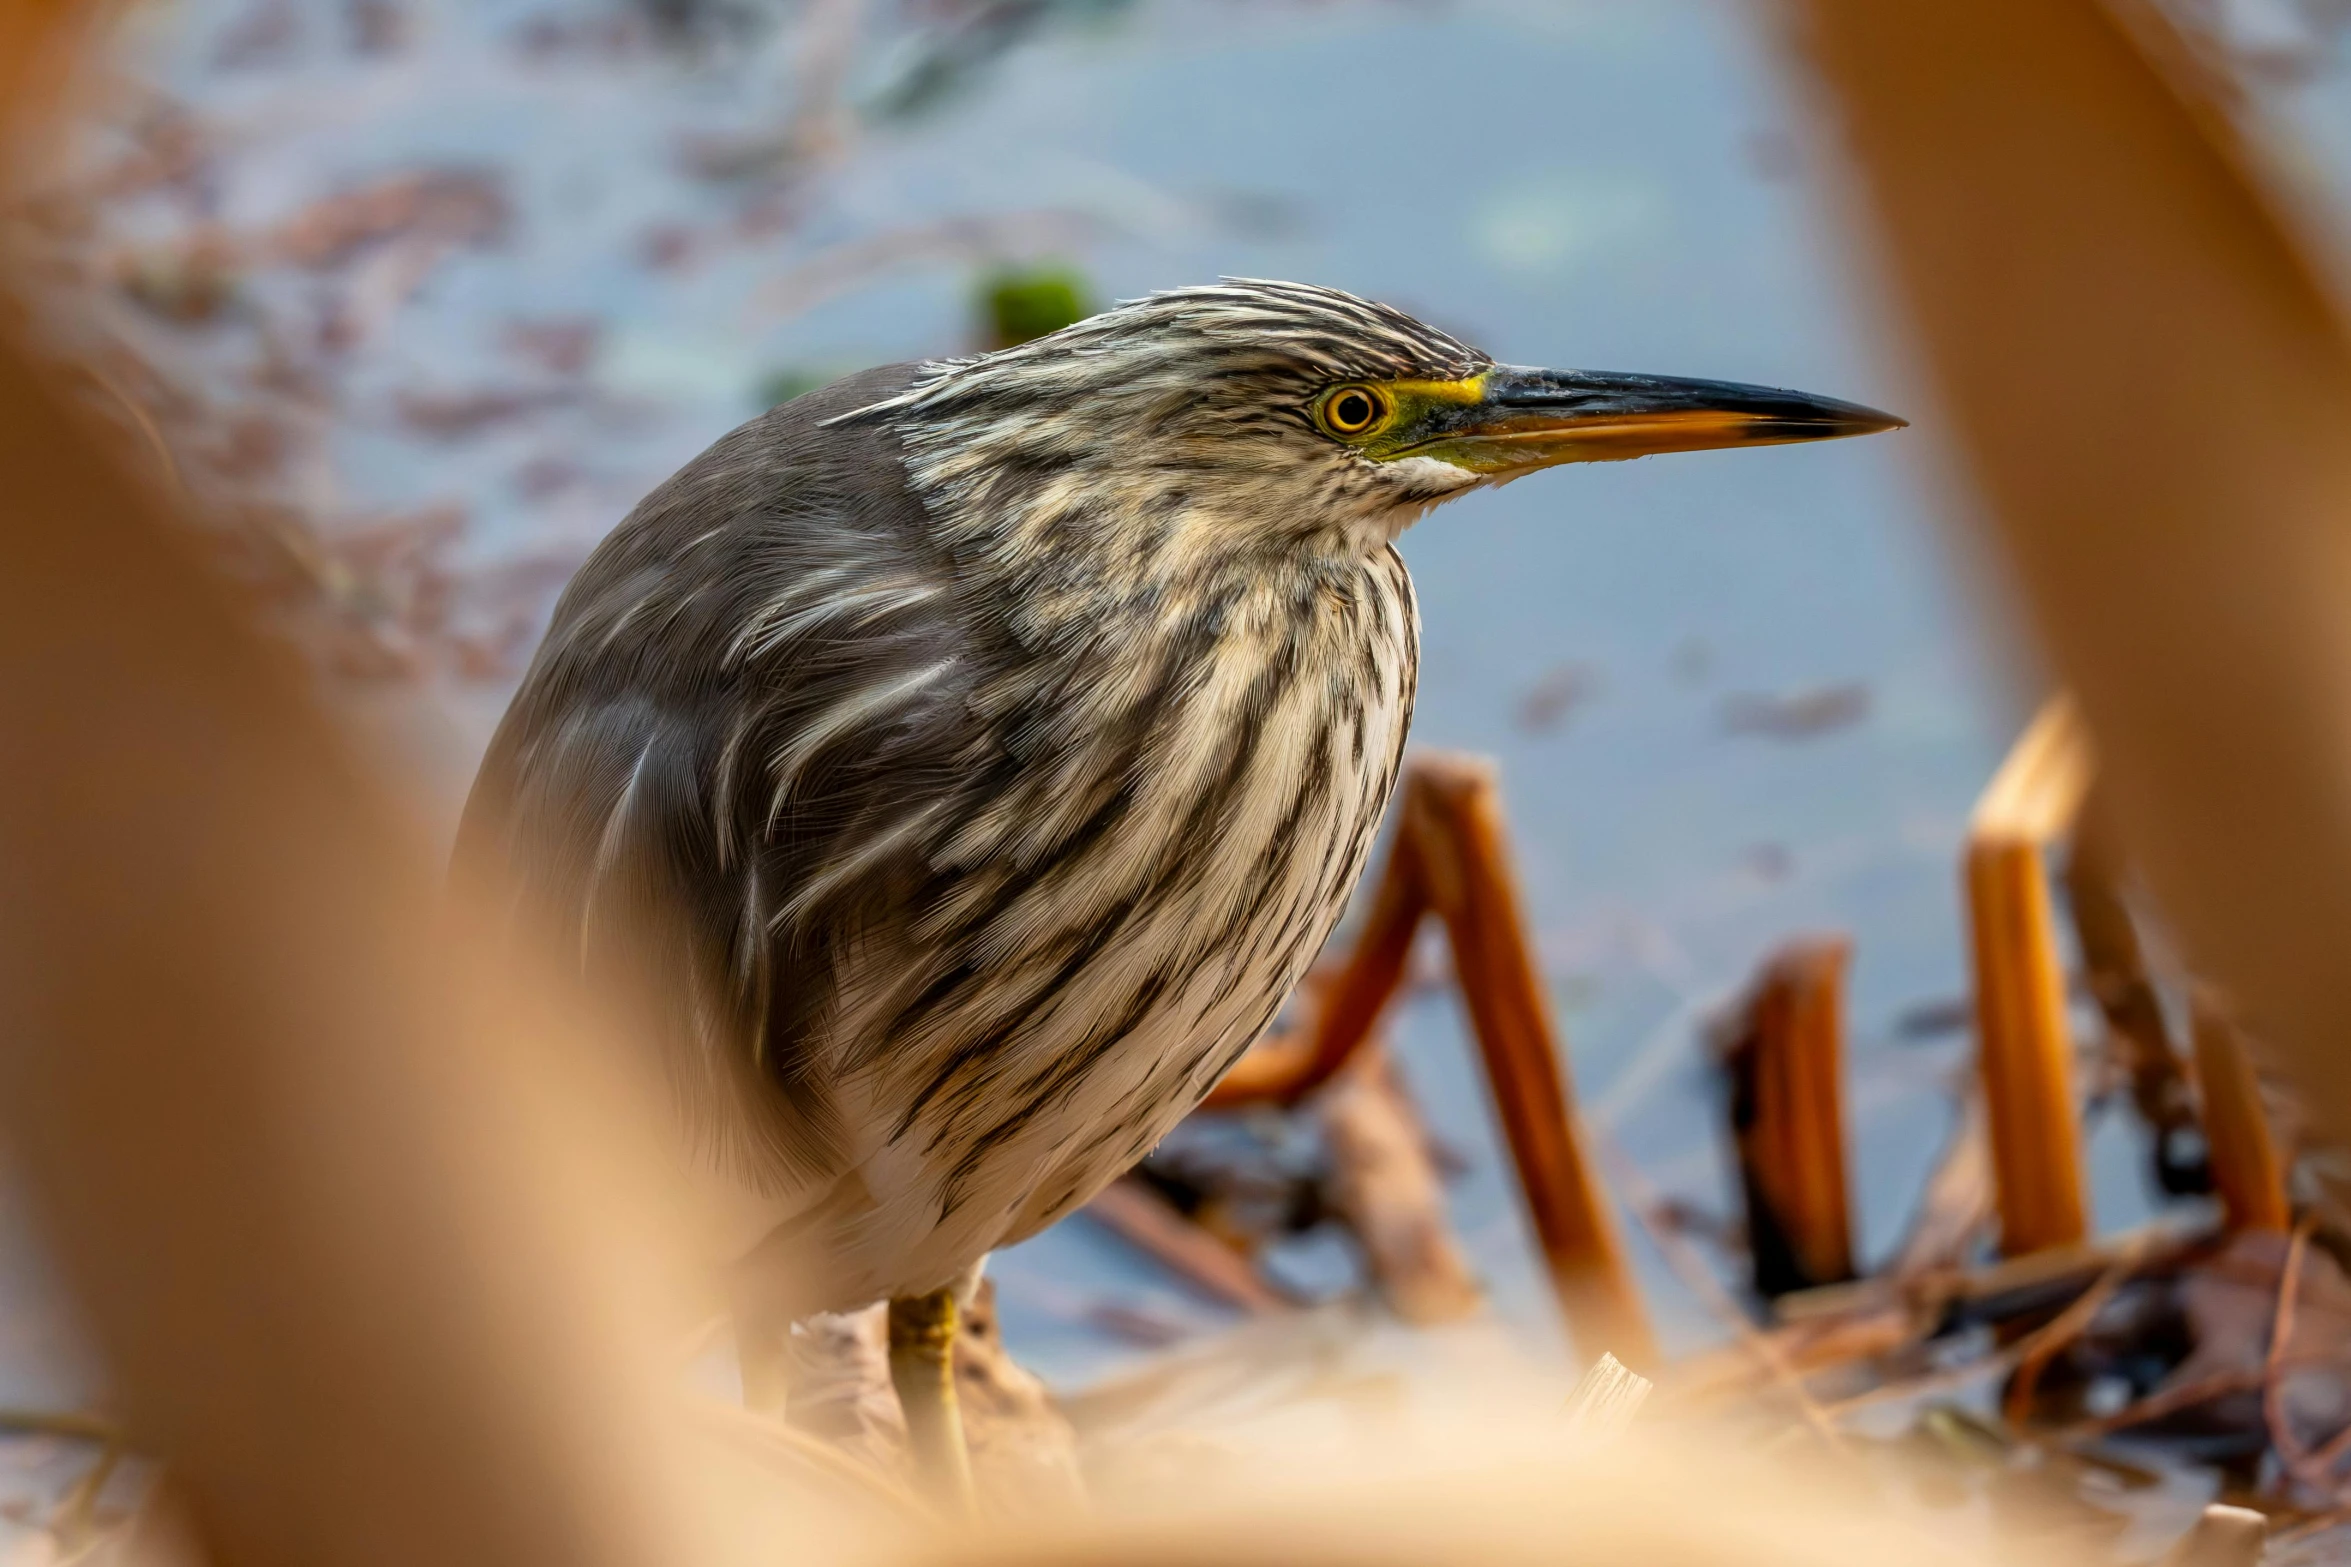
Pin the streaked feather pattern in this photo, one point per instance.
(975, 754)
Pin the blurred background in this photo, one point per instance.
(420, 297)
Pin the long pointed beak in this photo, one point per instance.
(1529, 419)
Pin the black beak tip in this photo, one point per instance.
(1834, 419)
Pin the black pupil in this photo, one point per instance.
(1354, 411)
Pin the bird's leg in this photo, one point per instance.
(922, 1368)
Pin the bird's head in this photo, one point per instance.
(1246, 417)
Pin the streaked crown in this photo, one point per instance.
(1200, 407)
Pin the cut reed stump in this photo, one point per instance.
(2239, 1145)
(1450, 858)
(2023, 1048)
(2037, 797)
(1782, 1054)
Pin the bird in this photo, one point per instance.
(972, 754)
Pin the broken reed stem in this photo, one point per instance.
(2291, 1454)
(1784, 1056)
(1453, 814)
(2023, 1048)
(2119, 978)
(2243, 1154)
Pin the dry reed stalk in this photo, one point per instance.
(2239, 1144)
(2023, 1048)
(1785, 1057)
(1453, 811)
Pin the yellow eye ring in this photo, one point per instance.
(1348, 411)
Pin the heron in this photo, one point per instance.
(972, 754)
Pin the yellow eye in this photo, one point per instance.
(1351, 410)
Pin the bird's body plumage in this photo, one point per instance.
(971, 756)
(972, 836)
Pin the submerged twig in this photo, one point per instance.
(2036, 1350)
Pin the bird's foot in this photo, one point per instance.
(922, 1368)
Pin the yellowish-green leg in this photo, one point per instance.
(922, 1368)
